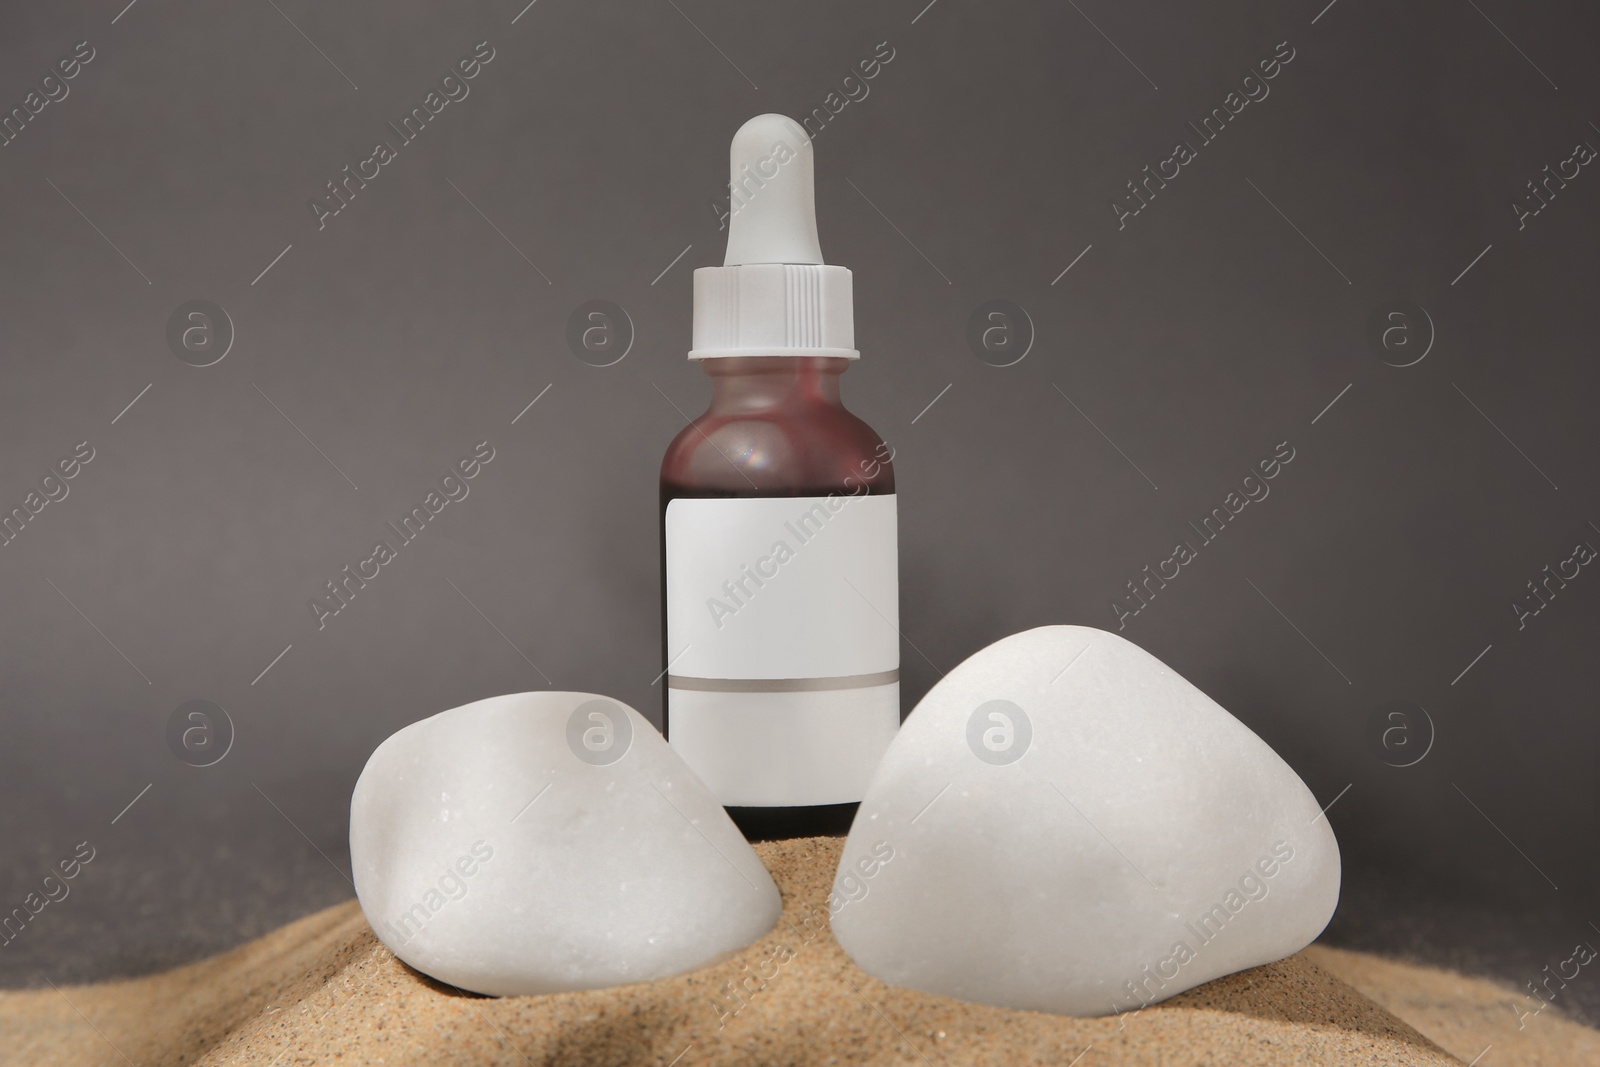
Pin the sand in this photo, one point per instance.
(1465, 1015)
(324, 990)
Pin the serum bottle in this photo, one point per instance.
(780, 580)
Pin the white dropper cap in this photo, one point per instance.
(772, 219)
(773, 295)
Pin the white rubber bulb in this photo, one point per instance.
(772, 193)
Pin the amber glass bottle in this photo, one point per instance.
(776, 432)
(780, 584)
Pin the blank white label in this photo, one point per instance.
(799, 598)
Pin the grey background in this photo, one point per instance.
(1208, 330)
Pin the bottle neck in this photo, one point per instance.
(756, 383)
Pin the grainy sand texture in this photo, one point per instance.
(1466, 1015)
(323, 990)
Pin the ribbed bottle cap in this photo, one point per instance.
(773, 295)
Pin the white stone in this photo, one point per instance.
(545, 842)
(1109, 848)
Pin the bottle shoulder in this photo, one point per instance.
(806, 450)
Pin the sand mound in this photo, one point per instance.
(323, 990)
(1465, 1015)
